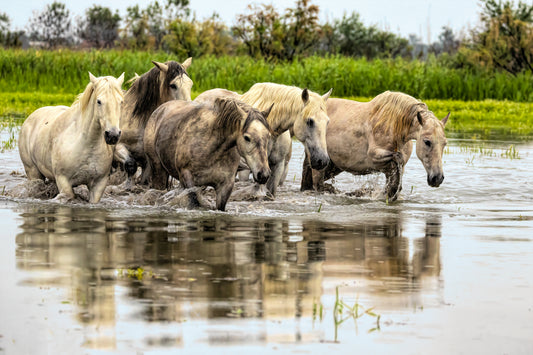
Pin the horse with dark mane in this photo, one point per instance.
(164, 82)
(202, 144)
(376, 136)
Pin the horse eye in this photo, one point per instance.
(247, 138)
(427, 142)
(98, 102)
(173, 86)
(310, 123)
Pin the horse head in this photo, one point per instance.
(430, 143)
(253, 143)
(175, 83)
(107, 98)
(310, 129)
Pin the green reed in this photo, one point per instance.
(343, 311)
(65, 71)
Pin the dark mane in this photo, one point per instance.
(229, 117)
(253, 114)
(145, 91)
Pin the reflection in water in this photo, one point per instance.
(214, 267)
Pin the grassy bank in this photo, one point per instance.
(487, 119)
(65, 72)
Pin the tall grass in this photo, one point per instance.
(65, 71)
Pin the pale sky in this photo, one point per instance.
(419, 17)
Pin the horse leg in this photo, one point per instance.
(123, 156)
(96, 189)
(286, 166)
(33, 173)
(307, 175)
(243, 175)
(393, 174)
(276, 172)
(187, 181)
(223, 194)
(159, 176)
(65, 189)
(146, 175)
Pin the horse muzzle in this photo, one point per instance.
(319, 159)
(112, 136)
(262, 176)
(435, 180)
(319, 163)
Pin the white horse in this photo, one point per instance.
(74, 145)
(299, 112)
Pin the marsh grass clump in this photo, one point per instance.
(9, 131)
(510, 153)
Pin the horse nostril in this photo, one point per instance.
(262, 177)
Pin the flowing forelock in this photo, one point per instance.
(95, 89)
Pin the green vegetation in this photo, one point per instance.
(32, 79)
(18, 105)
(342, 312)
(65, 71)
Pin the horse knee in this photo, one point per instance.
(130, 166)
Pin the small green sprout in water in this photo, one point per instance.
(342, 312)
(138, 273)
(318, 310)
(511, 153)
(319, 208)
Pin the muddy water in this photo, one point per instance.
(447, 269)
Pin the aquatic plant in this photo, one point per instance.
(342, 312)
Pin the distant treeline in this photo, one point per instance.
(502, 40)
(66, 71)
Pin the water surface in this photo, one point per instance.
(447, 270)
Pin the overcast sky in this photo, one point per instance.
(424, 18)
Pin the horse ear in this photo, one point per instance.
(267, 112)
(161, 66)
(92, 78)
(219, 102)
(187, 63)
(445, 119)
(305, 96)
(421, 119)
(121, 80)
(240, 110)
(326, 95)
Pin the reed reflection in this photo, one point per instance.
(176, 268)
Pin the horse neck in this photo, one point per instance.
(90, 129)
(280, 122)
(223, 142)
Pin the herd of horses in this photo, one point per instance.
(155, 126)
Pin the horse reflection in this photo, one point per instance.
(224, 266)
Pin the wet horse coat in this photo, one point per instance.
(74, 145)
(164, 82)
(201, 145)
(377, 136)
(300, 112)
